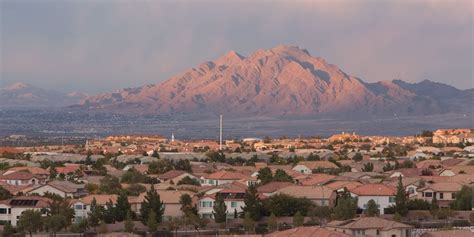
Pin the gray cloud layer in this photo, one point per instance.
(103, 45)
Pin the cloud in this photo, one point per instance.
(104, 45)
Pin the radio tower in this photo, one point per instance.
(220, 132)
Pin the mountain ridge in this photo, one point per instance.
(282, 81)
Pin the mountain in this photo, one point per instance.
(282, 81)
(26, 96)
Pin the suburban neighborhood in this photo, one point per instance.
(149, 185)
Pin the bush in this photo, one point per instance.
(461, 223)
(418, 204)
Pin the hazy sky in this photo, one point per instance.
(102, 45)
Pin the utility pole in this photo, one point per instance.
(220, 133)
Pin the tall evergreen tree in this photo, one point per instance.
(109, 212)
(152, 202)
(129, 225)
(95, 215)
(122, 207)
(151, 222)
(401, 205)
(187, 205)
(219, 209)
(253, 204)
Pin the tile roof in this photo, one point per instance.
(171, 174)
(318, 164)
(19, 175)
(311, 231)
(443, 187)
(226, 175)
(315, 179)
(273, 186)
(31, 169)
(27, 201)
(374, 190)
(100, 198)
(343, 184)
(310, 192)
(444, 233)
(369, 223)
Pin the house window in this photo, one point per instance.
(411, 190)
(233, 204)
(391, 199)
(3, 211)
(453, 195)
(378, 232)
(428, 194)
(78, 207)
(441, 195)
(206, 204)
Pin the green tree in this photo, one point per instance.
(8, 230)
(249, 223)
(282, 176)
(312, 157)
(464, 199)
(285, 205)
(54, 223)
(434, 206)
(5, 194)
(155, 154)
(272, 223)
(265, 175)
(187, 206)
(95, 215)
(122, 208)
(80, 227)
(357, 157)
(30, 221)
(368, 167)
(253, 204)
(219, 209)
(298, 219)
(401, 199)
(346, 207)
(53, 173)
(189, 180)
(109, 212)
(152, 202)
(110, 185)
(129, 225)
(62, 207)
(372, 208)
(151, 222)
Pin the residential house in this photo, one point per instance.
(22, 178)
(444, 192)
(65, 189)
(221, 177)
(11, 209)
(307, 167)
(371, 227)
(272, 188)
(320, 195)
(82, 206)
(37, 171)
(170, 199)
(383, 195)
(174, 176)
(234, 201)
(308, 231)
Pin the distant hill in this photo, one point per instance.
(282, 81)
(22, 95)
